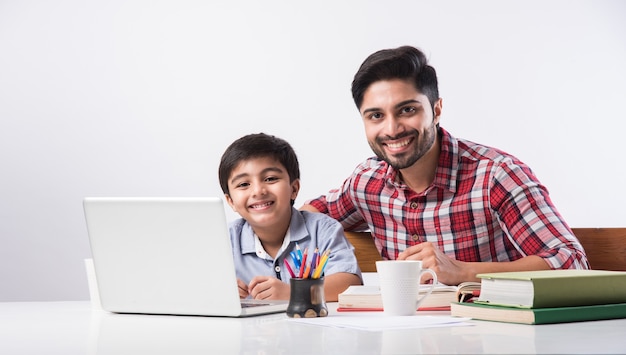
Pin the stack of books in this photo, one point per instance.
(547, 296)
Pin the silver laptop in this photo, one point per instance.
(166, 256)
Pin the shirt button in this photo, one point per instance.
(413, 205)
(415, 237)
(277, 268)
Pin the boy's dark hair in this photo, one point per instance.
(257, 145)
(405, 63)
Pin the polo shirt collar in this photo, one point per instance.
(297, 230)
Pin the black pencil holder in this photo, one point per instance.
(307, 298)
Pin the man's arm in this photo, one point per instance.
(452, 272)
(531, 220)
(336, 283)
(309, 208)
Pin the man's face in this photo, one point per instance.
(399, 123)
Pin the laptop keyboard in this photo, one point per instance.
(251, 304)
(248, 302)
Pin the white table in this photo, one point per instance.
(76, 328)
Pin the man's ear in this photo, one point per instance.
(437, 108)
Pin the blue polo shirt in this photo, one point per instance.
(309, 230)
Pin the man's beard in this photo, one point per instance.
(407, 159)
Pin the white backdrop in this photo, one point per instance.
(140, 98)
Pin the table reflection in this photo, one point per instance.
(154, 334)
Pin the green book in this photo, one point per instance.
(538, 315)
(552, 288)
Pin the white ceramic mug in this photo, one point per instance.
(400, 285)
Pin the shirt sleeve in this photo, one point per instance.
(531, 220)
(319, 203)
(340, 204)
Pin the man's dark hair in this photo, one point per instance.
(258, 145)
(405, 63)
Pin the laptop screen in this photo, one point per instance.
(164, 255)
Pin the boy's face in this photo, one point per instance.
(260, 192)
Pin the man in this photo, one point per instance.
(460, 207)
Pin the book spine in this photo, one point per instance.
(579, 291)
(584, 313)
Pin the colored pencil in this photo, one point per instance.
(289, 268)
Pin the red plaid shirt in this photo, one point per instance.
(484, 205)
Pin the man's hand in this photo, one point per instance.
(452, 272)
(449, 271)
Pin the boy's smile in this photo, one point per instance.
(260, 191)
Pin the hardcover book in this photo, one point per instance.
(368, 298)
(538, 315)
(552, 288)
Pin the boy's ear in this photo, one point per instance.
(295, 188)
(230, 202)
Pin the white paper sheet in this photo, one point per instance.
(379, 321)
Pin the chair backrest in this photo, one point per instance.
(605, 248)
(364, 250)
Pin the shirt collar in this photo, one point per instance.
(260, 251)
(296, 232)
(448, 165)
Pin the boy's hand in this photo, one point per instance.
(268, 288)
(243, 289)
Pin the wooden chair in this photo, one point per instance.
(605, 248)
(364, 250)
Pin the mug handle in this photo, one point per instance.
(430, 289)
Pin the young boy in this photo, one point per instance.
(260, 177)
